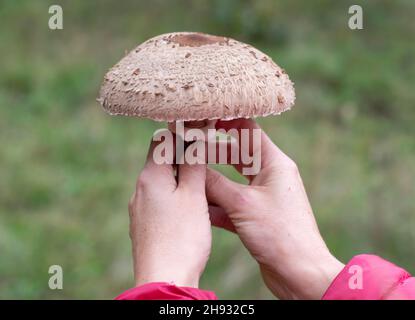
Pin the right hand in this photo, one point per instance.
(275, 222)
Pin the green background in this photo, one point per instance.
(67, 169)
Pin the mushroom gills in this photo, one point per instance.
(181, 128)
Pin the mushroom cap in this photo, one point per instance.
(187, 76)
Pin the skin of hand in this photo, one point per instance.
(170, 227)
(274, 220)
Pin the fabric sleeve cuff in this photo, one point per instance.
(165, 291)
(367, 277)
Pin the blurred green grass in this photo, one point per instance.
(67, 169)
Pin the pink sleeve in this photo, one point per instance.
(165, 291)
(369, 277)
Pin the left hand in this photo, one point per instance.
(169, 224)
(275, 221)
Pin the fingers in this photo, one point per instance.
(220, 219)
(221, 191)
(156, 171)
(161, 149)
(269, 152)
(192, 176)
(192, 173)
(228, 152)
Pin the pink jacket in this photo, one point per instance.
(365, 277)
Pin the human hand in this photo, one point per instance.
(275, 222)
(169, 224)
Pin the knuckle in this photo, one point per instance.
(291, 166)
(143, 181)
(244, 197)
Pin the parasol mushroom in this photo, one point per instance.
(196, 78)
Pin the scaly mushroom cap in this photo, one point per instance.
(190, 76)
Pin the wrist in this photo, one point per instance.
(319, 276)
(302, 277)
(179, 277)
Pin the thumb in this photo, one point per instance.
(221, 191)
(193, 175)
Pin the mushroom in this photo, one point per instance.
(196, 78)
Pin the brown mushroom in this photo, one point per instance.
(196, 78)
